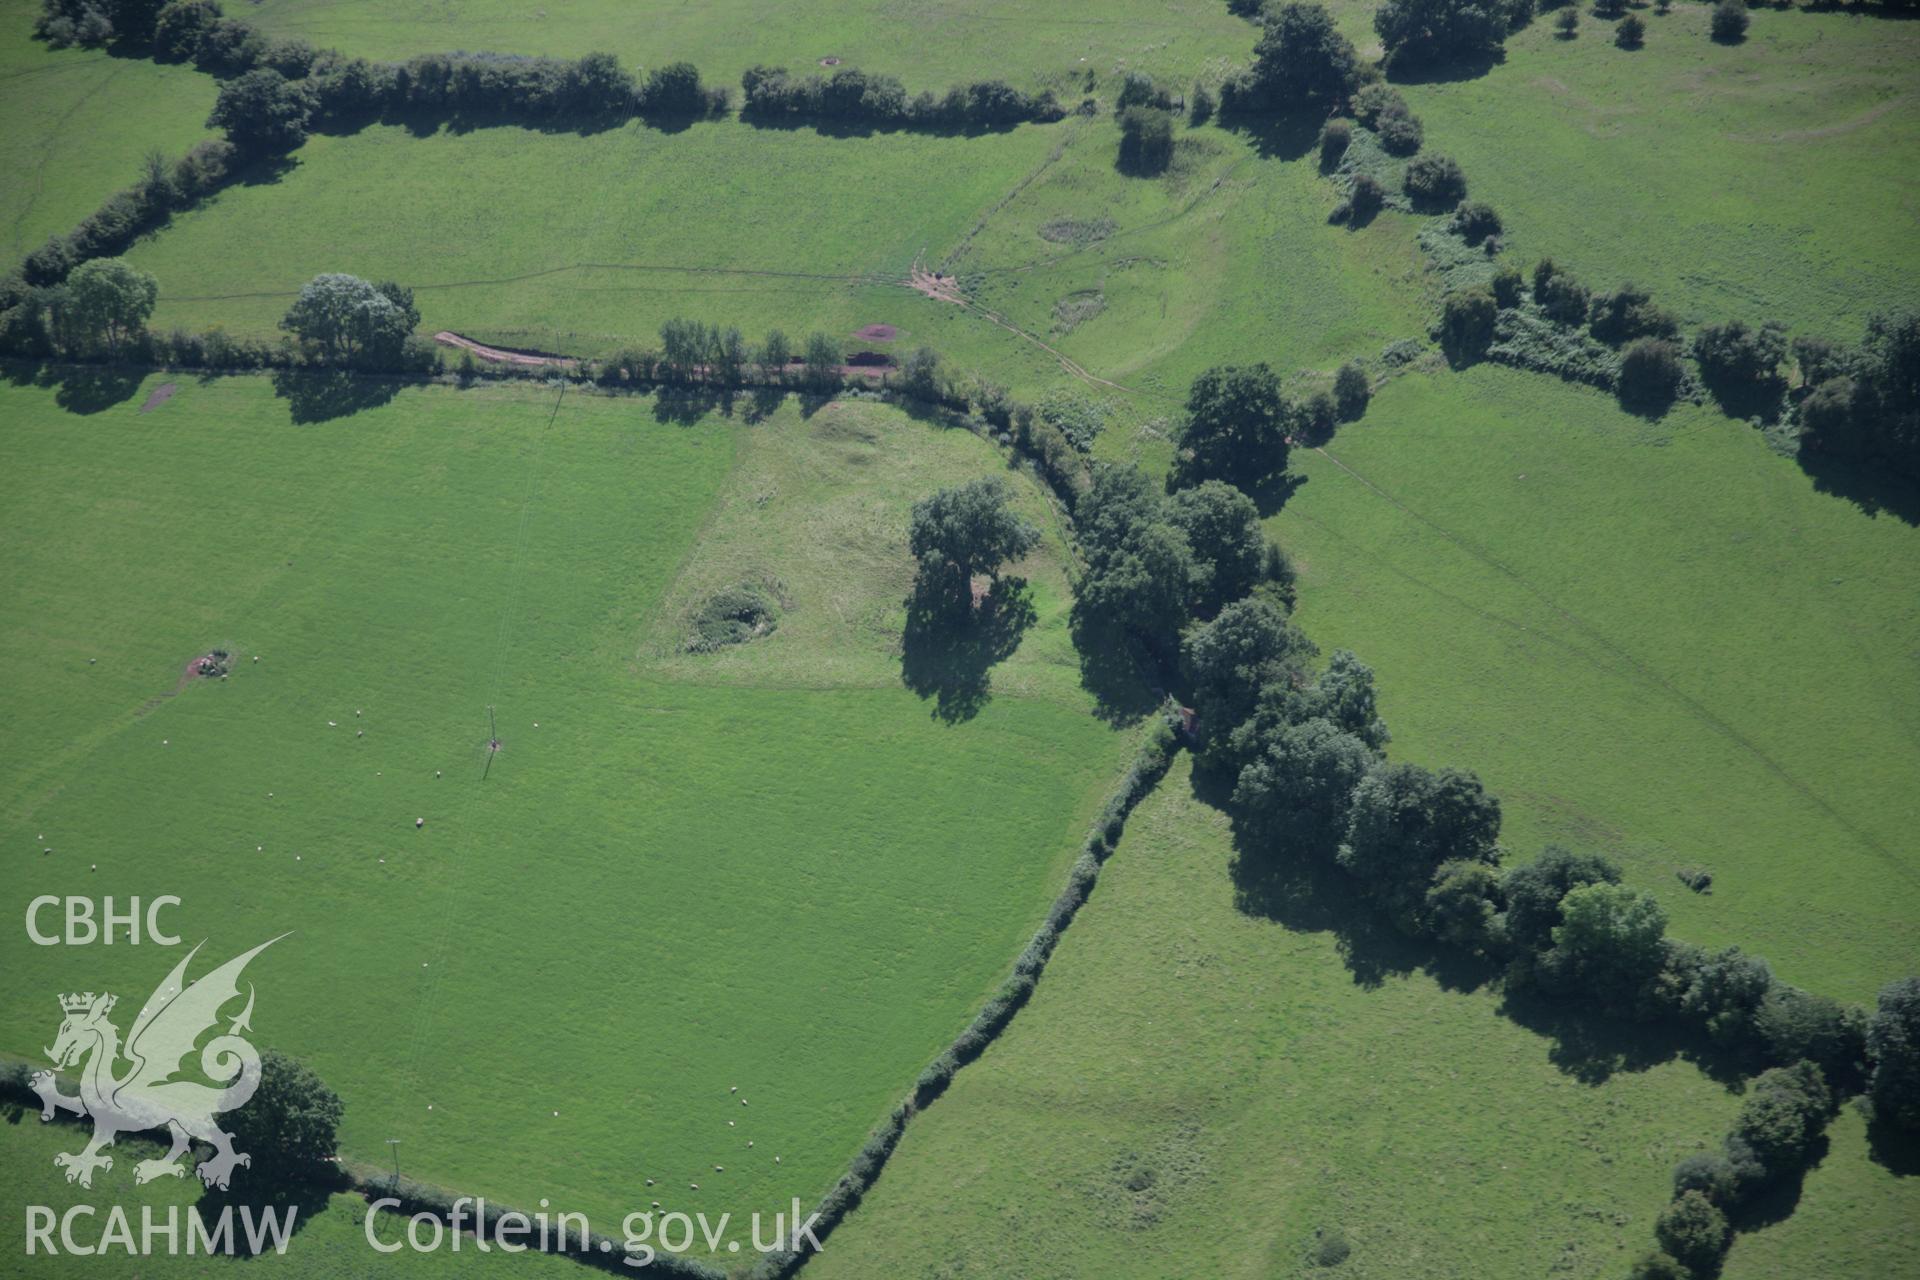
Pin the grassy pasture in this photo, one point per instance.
(1654, 639)
(78, 122)
(1197, 1089)
(820, 232)
(927, 45)
(760, 227)
(1772, 179)
(330, 1240)
(667, 885)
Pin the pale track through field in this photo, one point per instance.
(426, 1002)
(48, 140)
(1695, 708)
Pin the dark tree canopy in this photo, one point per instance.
(1628, 313)
(1420, 31)
(1228, 661)
(966, 530)
(1650, 373)
(262, 112)
(1467, 321)
(1237, 425)
(1301, 58)
(1533, 892)
(351, 320)
(1406, 821)
(1784, 1112)
(1223, 531)
(1139, 572)
(1734, 353)
(1462, 906)
(1609, 944)
(1351, 391)
(1298, 781)
(108, 301)
(1865, 403)
(288, 1127)
(1893, 1042)
(1146, 139)
(1693, 1232)
(1434, 182)
(1730, 21)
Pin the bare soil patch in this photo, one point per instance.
(877, 333)
(502, 355)
(829, 61)
(159, 396)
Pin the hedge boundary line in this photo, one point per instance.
(1150, 764)
(593, 1249)
(1155, 755)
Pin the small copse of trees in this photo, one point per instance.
(961, 532)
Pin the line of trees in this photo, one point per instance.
(163, 188)
(854, 97)
(1777, 1132)
(1301, 747)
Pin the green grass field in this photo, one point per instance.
(800, 865)
(629, 915)
(329, 1241)
(78, 123)
(927, 45)
(1767, 180)
(1198, 1089)
(821, 232)
(1658, 640)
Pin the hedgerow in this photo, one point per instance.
(1150, 764)
(854, 97)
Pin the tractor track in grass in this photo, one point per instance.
(481, 282)
(1693, 706)
(39, 171)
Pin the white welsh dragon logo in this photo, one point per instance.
(146, 1096)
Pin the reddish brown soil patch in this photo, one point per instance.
(159, 396)
(878, 333)
(192, 670)
(829, 61)
(941, 288)
(501, 355)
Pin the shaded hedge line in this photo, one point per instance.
(276, 90)
(854, 97)
(1856, 402)
(1775, 1138)
(1149, 765)
(163, 188)
(591, 1249)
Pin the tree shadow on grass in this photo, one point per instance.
(1873, 491)
(1894, 1149)
(1273, 492)
(1277, 135)
(307, 1201)
(685, 405)
(1761, 399)
(1294, 882)
(949, 653)
(1440, 69)
(252, 1204)
(1774, 1202)
(1114, 669)
(80, 388)
(323, 395)
(762, 403)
